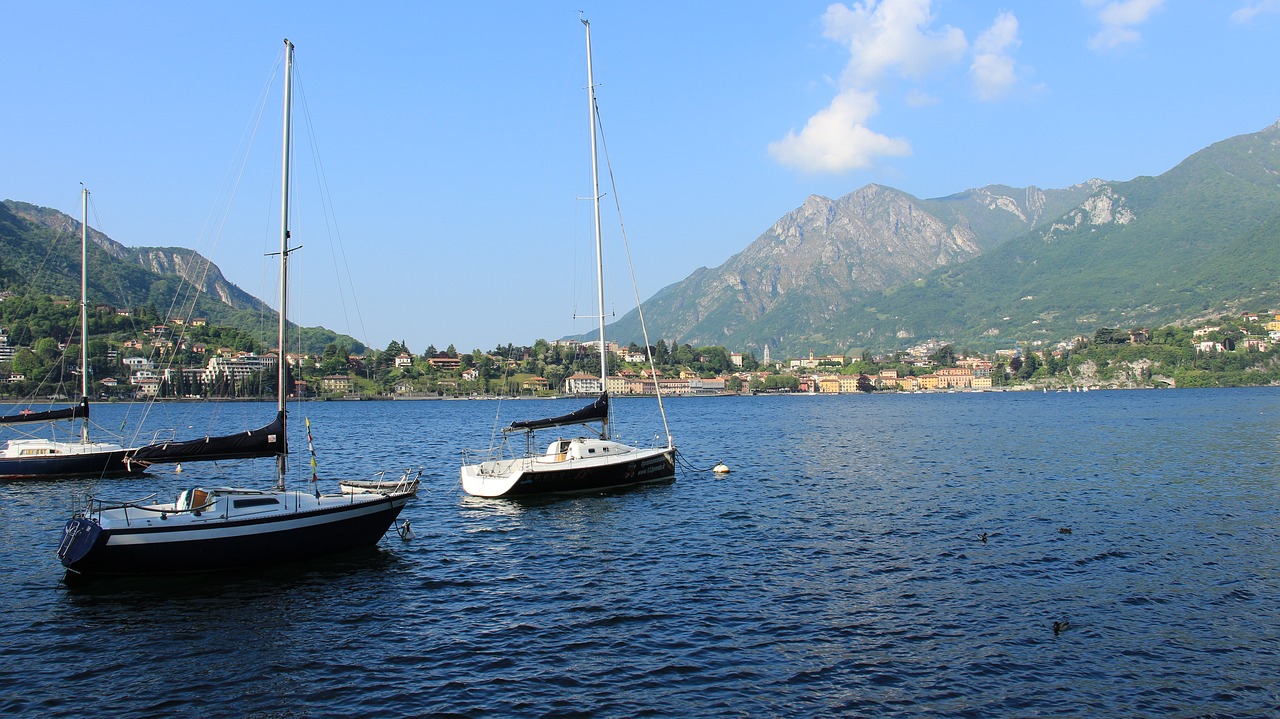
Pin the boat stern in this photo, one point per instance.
(490, 478)
(79, 537)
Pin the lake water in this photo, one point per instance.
(837, 571)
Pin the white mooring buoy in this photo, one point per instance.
(721, 468)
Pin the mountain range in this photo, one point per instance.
(879, 269)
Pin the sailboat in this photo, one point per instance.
(43, 458)
(212, 528)
(578, 464)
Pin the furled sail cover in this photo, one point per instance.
(597, 411)
(80, 410)
(265, 442)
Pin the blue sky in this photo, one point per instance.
(451, 137)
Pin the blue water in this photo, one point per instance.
(837, 571)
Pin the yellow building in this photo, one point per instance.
(535, 384)
(955, 377)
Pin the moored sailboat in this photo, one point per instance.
(34, 457)
(578, 464)
(214, 527)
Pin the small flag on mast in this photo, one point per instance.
(315, 481)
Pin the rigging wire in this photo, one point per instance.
(657, 390)
(215, 224)
(120, 289)
(330, 215)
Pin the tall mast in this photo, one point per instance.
(284, 246)
(84, 307)
(595, 202)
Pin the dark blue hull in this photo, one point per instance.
(97, 464)
(87, 548)
(596, 479)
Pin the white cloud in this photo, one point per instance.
(892, 38)
(1118, 18)
(993, 70)
(1253, 9)
(891, 34)
(837, 138)
(920, 98)
(882, 36)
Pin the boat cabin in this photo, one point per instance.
(198, 499)
(583, 448)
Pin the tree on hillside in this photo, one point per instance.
(1110, 336)
(782, 382)
(943, 357)
(660, 353)
(334, 359)
(1029, 366)
(713, 359)
(683, 355)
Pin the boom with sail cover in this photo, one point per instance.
(265, 442)
(79, 411)
(597, 411)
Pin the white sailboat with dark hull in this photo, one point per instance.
(32, 457)
(213, 527)
(579, 464)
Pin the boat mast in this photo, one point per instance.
(595, 202)
(84, 307)
(284, 250)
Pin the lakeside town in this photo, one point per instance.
(183, 360)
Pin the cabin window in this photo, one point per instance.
(591, 451)
(255, 502)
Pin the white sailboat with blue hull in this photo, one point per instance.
(213, 527)
(577, 464)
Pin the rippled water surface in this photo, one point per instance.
(837, 571)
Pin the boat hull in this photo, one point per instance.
(534, 478)
(89, 464)
(88, 547)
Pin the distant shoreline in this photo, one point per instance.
(385, 398)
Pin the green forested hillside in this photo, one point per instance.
(1204, 238)
(41, 259)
